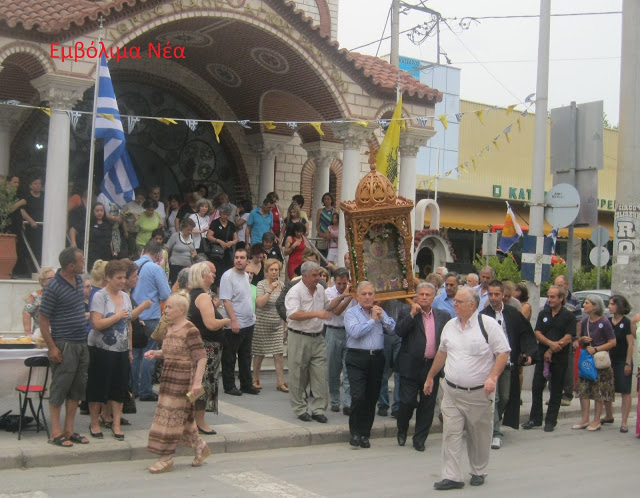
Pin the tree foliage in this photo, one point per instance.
(507, 269)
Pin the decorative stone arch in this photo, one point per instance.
(319, 69)
(278, 105)
(307, 176)
(30, 52)
(436, 242)
(434, 214)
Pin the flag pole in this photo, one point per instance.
(92, 149)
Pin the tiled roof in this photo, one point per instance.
(56, 20)
(385, 75)
(53, 16)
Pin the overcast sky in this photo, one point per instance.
(585, 50)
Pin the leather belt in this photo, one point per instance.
(334, 327)
(370, 352)
(464, 388)
(310, 334)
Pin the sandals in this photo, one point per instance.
(97, 435)
(119, 437)
(78, 439)
(204, 453)
(282, 388)
(256, 384)
(104, 423)
(60, 441)
(624, 429)
(161, 466)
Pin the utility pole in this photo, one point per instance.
(395, 33)
(536, 214)
(626, 247)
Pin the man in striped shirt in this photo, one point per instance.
(64, 328)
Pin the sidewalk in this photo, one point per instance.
(245, 423)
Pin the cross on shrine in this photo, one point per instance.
(536, 258)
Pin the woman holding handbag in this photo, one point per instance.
(597, 337)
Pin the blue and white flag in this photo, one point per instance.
(554, 237)
(119, 176)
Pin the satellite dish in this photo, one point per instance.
(562, 204)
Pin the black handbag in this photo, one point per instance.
(213, 250)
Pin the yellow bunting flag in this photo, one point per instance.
(166, 121)
(506, 135)
(217, 128)
(110, 117)
(46, 110)
(318, 128)
(364, 124)
(269, 125)
(480, 115)
(511, 108)
(473, 161)
(519, 124)
(443, 120)
(387, 157)
(462, 169)
(448, 173)
(495, 143)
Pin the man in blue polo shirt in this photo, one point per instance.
(260, 222)
(63, 326)
(152, 285)
(444, 301)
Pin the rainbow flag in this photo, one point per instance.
(511, 232)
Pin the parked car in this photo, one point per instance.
(605, 294)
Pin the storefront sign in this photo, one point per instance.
(524, 194)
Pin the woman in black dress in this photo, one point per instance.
(223, 232)
(209, 322)
(100, 246)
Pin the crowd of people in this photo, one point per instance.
(201, 298)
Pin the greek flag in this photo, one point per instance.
(119, 176)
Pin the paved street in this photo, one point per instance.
(531, 463)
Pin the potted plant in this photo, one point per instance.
(8, 204)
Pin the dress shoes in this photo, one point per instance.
(446, 484)
(335, 408)
(355, 441)
(476, 480)
(418, 446)
(233, 392)
(346, 411)
(250, 390)
(364, 442)
(383, 412)
(402, 438)
(530, 425)
(394, 414)
(202, 431)
(305, 417)
(151, 397)
(549, 427)
(319, 418)
(607, 420)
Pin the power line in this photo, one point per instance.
(535, 60)
(522, 16)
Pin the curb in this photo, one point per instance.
(135, 446)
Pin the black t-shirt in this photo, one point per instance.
(555, 328)
(184, 212)
(622, 330)
(35, 206)
(77, 218)
(274, 253)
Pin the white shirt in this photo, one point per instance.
(300, 299)
(201, 224)
(469, 357)
(242, 230)
(337, 320)
(160, 210)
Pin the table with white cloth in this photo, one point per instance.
(13, 373)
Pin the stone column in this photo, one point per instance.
(7, 123)
(352, 136)
(61, 93)
(410, 142)
(323, 154)
(267, 148)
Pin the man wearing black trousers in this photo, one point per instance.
(420, 330)
(555, 329)
(365, 325)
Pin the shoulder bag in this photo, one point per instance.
(213, 250)
(601, 359)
